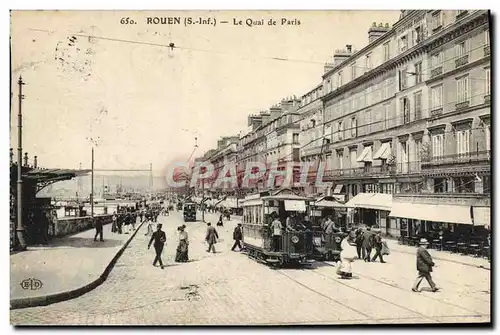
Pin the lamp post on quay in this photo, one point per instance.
(20, 227)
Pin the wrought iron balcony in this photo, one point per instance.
(436, 112)
(487, 99)
(487, 50)
(461, 61)
(462, 105)
(466, 158)
(408, 167)
(361, 171)
(461, 14)
(436, 71)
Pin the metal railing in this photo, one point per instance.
(462, 105)
(487, 50)
(436, 71)
(463, 60)
(465, 158)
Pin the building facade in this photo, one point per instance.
(409, 113)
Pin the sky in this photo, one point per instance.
(145, 104)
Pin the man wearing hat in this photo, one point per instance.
(237, 237)
(424, 266)
(367, 244)
(159, 237)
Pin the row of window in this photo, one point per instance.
(463, 90)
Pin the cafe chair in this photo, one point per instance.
(462, 248)
(475, 249)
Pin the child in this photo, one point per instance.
(344, 269)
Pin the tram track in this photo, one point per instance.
(475, 313)
(322, 294)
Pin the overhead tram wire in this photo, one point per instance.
(173, 46)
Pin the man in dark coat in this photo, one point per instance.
(98, 229)
(367, 244)
(359, 241)
(211, 237)
(377, 242)
(237, 237)
(424, 266)
(159, 237)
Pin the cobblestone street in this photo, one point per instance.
(227, 288)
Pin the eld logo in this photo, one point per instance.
(31, 284)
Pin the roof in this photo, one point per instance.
(43, 175)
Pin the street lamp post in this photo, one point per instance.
(20, 227)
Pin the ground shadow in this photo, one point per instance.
(82, 242)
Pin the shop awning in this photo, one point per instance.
(366, 155)
(295, 205)
(329, 204)
(380, 201)
(428, 212)
(384, 151)
(338, 189)
(482, 216)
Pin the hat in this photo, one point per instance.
(423, 241)
(239, 224)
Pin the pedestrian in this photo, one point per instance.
(220, 223)
(114, 225)
(237, 237)
(276, 228)
(134, 220)
(211, 237)
(424, 266)
(98, 229)
(159, 237)
(141, 214)
(377, 243)
(344, 269)
(359, 241)
(120, 223)
(367, 244)
(182, 249)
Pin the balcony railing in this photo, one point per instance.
(461, 14)
(408, 167)
(462, 105)
(487, 51)
(436, 112)
(487, 99)
(466, 158)
(462, 61)
(436, 71)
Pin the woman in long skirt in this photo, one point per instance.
(182, 250)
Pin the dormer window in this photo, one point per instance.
(403, 43)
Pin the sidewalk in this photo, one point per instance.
(67, 268)
(394, 246)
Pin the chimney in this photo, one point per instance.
(25, 159)
(375, 32)
(35, 162)
(349, 48)
(11, 156)
(275, 112)
(339, 56)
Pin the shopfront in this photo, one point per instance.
(440, 222)
(371, 209)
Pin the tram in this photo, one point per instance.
(298, 243)
(189, 211)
